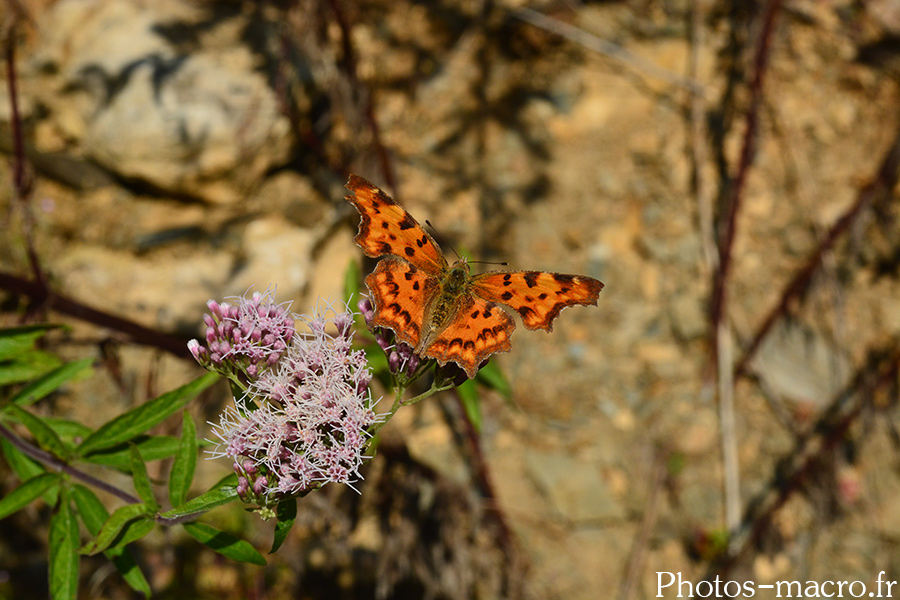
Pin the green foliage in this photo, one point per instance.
(48, 460)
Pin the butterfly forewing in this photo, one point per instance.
(480, 329)
(386, 228)
(537, 296)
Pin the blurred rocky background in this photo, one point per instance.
(727, 168)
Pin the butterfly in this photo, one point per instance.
(441, 310)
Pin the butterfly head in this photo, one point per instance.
(457, 276)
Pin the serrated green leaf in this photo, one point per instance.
(45, 437)
(51, 382)
(141, 478)
(285, 514)
(15, 341)
(493, 378)
(27, 366)
(211, 499)
(113, 526)
(24, 494)
(63, 551)
(225, 543)
(93, 514)
(119, 457)
(185, 464)
(138, 420)
(471, 401)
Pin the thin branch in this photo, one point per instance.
(884, 181)
(735, 199)
(139, 334)
(60, 466)
(721, 340)
(22, 181)
(607, 48)
(638, 558)
(350, 62)
(797, 468)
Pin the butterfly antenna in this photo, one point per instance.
(444, 242)
(486, 262)
(440, 239)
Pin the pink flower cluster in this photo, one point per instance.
(304, 418)
(244, 338)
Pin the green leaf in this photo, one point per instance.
(63, 550)
(185, 462)
(15, 341)
(204, 502)
(25, 468)
(23, 495)
(27, 366)
(70, 432)
(352, 279)
(152, 448)
(141, 478)
(493, 378)
(52, 381)
(113, 526)
(132, 532)
(45, 437)
(140, 419)
(471, 401)
(286, 513)
(93, 514)
(225, 543)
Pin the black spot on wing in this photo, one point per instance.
(407, 223)
(506, 296)
(525, 312)
(386, 248)
(416, 286)
(531, 278)
(564, 279)
(409, 251)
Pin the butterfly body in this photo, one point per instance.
(442, 311)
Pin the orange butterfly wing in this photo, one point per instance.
(400, 292)
(480, 329)
(537, 296)
(386, 228)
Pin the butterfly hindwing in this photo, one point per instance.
(400, 292)
(386, 228)
(537, 296)
(480, 329)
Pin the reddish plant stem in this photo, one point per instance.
(58, 465)
(22, 183)
(735, 197)
(138, 333)
(882, 184)
(797, 468)
(350, 62)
